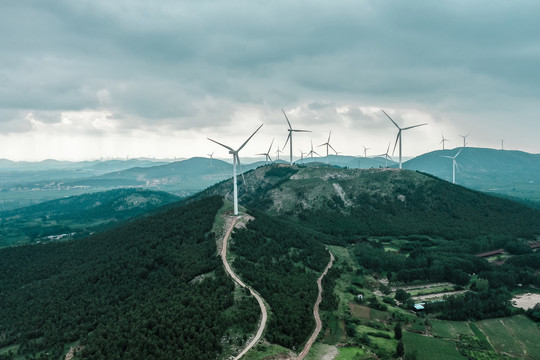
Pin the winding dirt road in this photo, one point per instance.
(262, 326)
(318, 321)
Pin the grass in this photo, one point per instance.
(360, 311)
(265, 351)
(450, 329)
(517, 336)
(429, 348)
(350, 353)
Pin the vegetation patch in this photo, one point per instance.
(429, 348)
(450, 329)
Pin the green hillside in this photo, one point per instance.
(77, 215)
(364, 202)
(142, 290)
(151, 289)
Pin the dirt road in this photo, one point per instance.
(318, 321)
(260, 331)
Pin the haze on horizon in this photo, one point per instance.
(91, 79)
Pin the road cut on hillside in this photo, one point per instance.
(233, 275)
(316, 315)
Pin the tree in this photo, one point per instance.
(402, 295)
(398, 334)
(400, 349)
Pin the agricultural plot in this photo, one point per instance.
(429, 348)
(350, 353)
(450, 329)
(517, 336)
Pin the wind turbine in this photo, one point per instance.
(443, 141)
(386, 156)
(454, 165)
(398, 138)
(302, 155)
(327, 143)
(464, 139)
(289, 137)
(365, 150)
(267, 154)
(312, 152)
(211, 156)
(236, 160)
(278, 151)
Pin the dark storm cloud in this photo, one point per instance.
(190, 63)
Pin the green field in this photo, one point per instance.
(429, 348)
(350, 353)
(450, 329)
(517, 336)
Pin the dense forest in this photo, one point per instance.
(153, 289)
(282, 262)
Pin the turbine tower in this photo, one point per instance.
(327, 143)
(443, 141)
(289, 137)
(398, 138)
(464, 139)
(454, 165)
(267, 154)
(236, 160)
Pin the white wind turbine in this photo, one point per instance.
(211, 156)
(289, 137)
(302, 155)
(278, 151)
(386, 155)
(454, 164)
(327, 143)
(443, 141)
(267, 154)
(312, 151)
(398, 138)
(365, 150)
(236, 160)
(464, 139)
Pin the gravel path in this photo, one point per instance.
(241, 283)
(318, 321)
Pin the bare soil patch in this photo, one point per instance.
(359, 311)
(526, 301)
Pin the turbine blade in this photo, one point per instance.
(397, 138)
(455, 156)
(300, 130)
(270, 148)
(286, 141)
(225, 146)
(390, 119)
(332, 148)
(410, 127)
(286, 118)
(249, 138)
(330, 134)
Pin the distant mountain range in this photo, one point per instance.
(508, 173)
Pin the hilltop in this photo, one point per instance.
(514, 173)
(350, 202)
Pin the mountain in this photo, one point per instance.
(182, 177)
(77, 215)
(513, 173)
(155, 288)
(379, 202)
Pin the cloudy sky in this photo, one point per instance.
(98, 78)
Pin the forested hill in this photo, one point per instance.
(151, 289)
(77, 214)
(363, 202)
